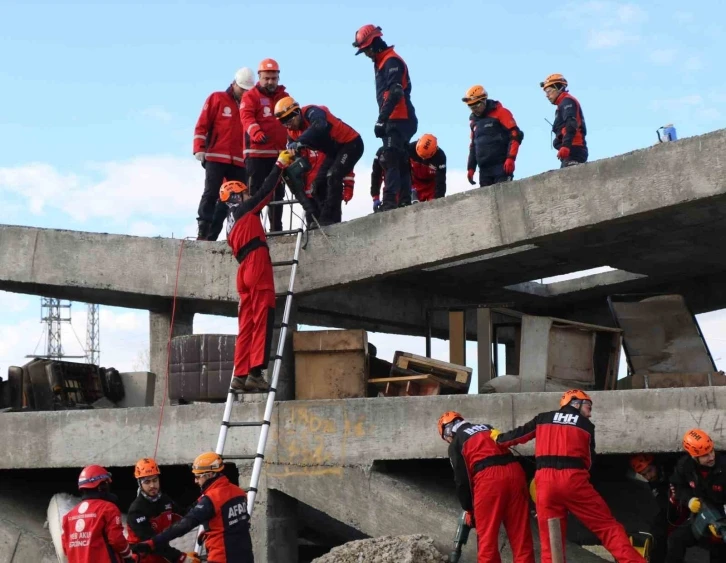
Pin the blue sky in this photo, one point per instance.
(100, 100)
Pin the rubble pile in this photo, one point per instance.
(386, 549)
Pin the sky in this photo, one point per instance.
(100, 100)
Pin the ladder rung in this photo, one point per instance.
(244, 424)
(284, 263)
(284, 202)
(242, 457)
(283, 233)
(283, 294)
(278, 326)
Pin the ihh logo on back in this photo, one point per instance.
(565, 418)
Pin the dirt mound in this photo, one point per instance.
(387, 549)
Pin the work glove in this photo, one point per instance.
(347, 193)
(190, 557)
(469, 519)
(694, 505)
(414, 196)
(294, 146)
(143, 548)
(379, 128)
(563, 153)
(509, 166)
(284, 159)
(470, 176)
(257, 135)
(200, 156)
(494, 433)
(376, 204)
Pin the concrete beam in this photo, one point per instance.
(346, 432)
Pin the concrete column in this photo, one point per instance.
(160, 330)
(535, 352)
(484, 345)
(286, 383)
(274, 523)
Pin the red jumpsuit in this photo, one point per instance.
(92, 531)
(564, 451)
(255, 280)
(499, 492)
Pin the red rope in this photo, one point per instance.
(168, 350)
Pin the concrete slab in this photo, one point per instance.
(349, 432)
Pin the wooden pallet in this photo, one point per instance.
(423, 365)
(414, 385)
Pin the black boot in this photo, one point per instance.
(203, 229)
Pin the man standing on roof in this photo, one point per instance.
(564, 452)
(255, 279)
(153, 512)
(569, 126)
(397, 122)
(218, 145)
(699, 479)
(491, 487)
(495, 138)
(222, 510)
(92, 531)
(264, 136)
(316, 128)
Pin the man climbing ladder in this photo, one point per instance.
(255, 280)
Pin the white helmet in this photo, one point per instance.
(244, 78)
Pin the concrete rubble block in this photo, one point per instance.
(138, 389)
(388, 549)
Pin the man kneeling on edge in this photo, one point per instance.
(564, 452)
(699, 480)
(255, 281)
(222, 510)
(491, 484)
(153, 512)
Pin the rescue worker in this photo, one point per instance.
(495, 138)
(255, 280)
(152, 512)
(491, 484)
(670, 511)
(428, 171)
(397, 122)
(317, 128)
(264, 137)
(92, 531)
(222, 510)
(699, 477)
(564, 452)
(569, 126)
(218, 146)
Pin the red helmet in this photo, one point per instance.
(365, 36)
(641, 462)
(92, 476)
(268, 65)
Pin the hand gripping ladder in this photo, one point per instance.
(264, 424)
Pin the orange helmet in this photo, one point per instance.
(146, 468)
(447, 418)
(208, 462)
(427, 146)
(697, 443)
(365, 36)
(269, 65)
(231, 187)
(285, 106)
(554, 80)
(475, 95)
(640, 462)
(574, 395)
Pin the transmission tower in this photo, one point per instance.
(93, 335)
(50, 314)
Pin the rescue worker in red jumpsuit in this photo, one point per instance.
(569, 127)
(495, 138)
(255, 280)
(698, 478)
(92, 531)
(221, 510)
(218, 145)
(564, 452)
(152, 512)
(397, 122)
(317, 128)
(264, 137)
(428, 171)
(491, 484)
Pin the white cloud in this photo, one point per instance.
(663, 56)
(709, 114)
(609, 38)
(683, 17)
(14, 302)
(605, 24)
(693, 64)
(157, 113)
(673, 104)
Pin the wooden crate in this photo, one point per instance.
(409, 385)
(424, 365)
(330, 364)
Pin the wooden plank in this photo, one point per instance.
(587, 326)
(421, 364)
(423, 378)
(457, 337)
(329, 340)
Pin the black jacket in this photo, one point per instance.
(706, 483)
